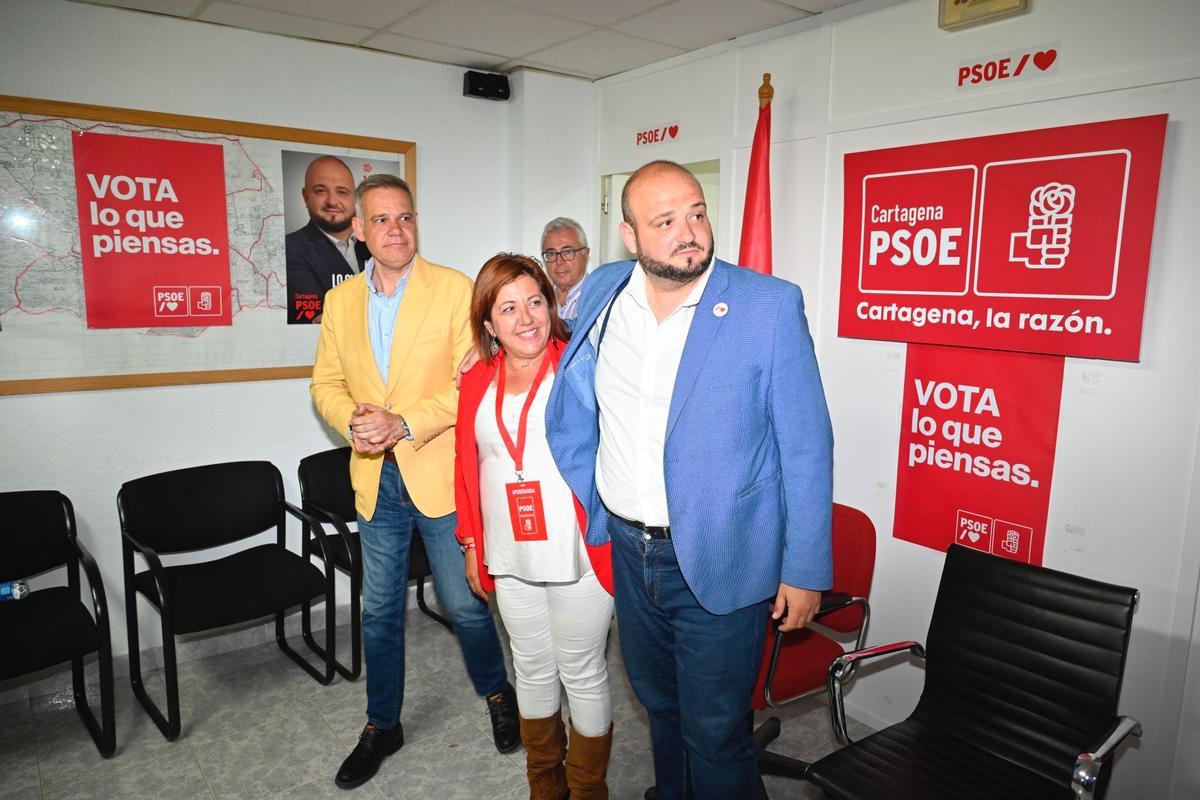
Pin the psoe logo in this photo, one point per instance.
(170, 301)
(663, 133)
(1046, 242)
(204, 301)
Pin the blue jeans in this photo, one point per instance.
(385, 543)
(692, 670)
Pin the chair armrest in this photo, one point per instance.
(835, 601)
(830, 602)
(323, 515)
(95, 585)
(156, 571)
(1088, 765)
(339, 525)
(152, 559)
(317, 530)
(844, 665)
(319, 512)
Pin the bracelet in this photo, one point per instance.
(463, 548)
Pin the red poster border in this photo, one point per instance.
(1143, 137)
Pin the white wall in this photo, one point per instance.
(553, 137)
(87, 444)
(489, 174)
(878, 74)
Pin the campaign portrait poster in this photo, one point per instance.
(153, 231)
(1037, 241)
(318, 192)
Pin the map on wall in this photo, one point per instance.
(43, 314)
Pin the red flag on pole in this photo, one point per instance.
(755, 251)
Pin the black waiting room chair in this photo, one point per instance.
(52, 625)
(1023, 669)
(198, 508)
(327, 497)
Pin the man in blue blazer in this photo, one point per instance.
(688, 416)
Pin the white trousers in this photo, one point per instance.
(558, 632)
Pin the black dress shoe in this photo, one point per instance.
(374, 745)
(652, 793)
(506, 724)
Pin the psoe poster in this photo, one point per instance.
(977, 441)
(1036, 241)
(153, 231)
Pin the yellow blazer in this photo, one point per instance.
(431, 337)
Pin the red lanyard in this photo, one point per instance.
(517, 451)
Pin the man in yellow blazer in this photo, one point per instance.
(391, 339)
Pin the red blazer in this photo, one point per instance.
(466, 474)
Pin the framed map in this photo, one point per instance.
(46, 344)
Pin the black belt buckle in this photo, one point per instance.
(657, 531)
(662, 532)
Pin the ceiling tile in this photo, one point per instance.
(518, 63)
(603, 53)
(368, 13)
(432, 51)
(258, 19)
(816, 6)
(488, 27)
(693, 24)
(589, 11)
(177, 8)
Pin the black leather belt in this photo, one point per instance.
(389, 455)
(649, 531)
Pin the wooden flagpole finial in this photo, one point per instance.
(766, 91)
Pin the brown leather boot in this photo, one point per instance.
(587, 765)
(545, 743)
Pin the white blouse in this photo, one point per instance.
(560, 558)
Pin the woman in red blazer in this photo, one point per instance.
(525, 527)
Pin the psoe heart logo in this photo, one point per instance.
(658, 135)
(1015, 65)
(170, 301)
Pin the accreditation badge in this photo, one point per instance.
(526, 512)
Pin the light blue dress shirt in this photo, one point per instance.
(381, 317)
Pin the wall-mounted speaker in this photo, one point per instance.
(485, 85)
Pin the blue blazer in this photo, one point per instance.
(748, 458)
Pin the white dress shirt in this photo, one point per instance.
(346, 248)
(635, 377)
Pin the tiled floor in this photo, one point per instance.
(255, 726)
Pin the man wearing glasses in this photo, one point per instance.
(565, 253)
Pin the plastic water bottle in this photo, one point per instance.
(13, 590)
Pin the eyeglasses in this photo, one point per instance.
(566, 254)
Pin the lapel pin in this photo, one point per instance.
(720, 310)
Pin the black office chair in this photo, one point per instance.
(1023, 669)
(327, 496)
(203, 507)
(51, 625)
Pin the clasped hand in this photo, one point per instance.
(374, 429)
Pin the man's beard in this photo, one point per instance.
(670, 272)
(336, 226)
